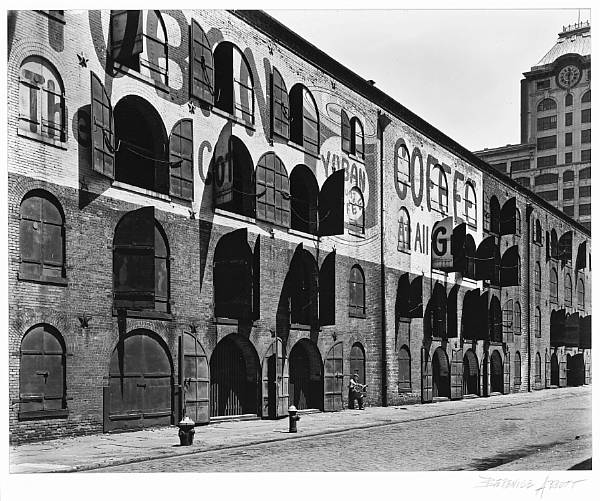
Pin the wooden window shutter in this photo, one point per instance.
(181, 159)
(346, 133)
(102, 124)
(510, 273)
(201, 65)
(508, 217)
(327, 290)
(280, 106)
(581, 263)
(134, 260)
(331, 205)
(126, 34)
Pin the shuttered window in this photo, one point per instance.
(507, 320)
(403, 230)
(304, 119)
(439, 190)
(41, 237)
(42, 383)
(346, 132)
(181, 158)
(358, 138)
(41, 100)
(517, 319)
(356, 211)
(553, 286)
(357, 292)
(234, 87)
(272, 191)
(402, 165)
(580, 294)
(568, 290)
(201, 65)
(280, 111)
(538, 322)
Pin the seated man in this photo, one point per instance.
(355, 392)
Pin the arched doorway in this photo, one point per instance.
(234, 370)
(470, 374)
(441, 374)
(575, 370)
(496, 373)
(305, 376)
(140, 383)
(554, 370)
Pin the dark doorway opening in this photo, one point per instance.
(575, 370)
(470, 374)
(497, 374)
(305, 376)
(554, 370)
(441, 374)
(234, 378)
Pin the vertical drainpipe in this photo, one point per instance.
(384, 398)
(527, 308)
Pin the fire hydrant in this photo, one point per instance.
(186, 431)
(294, 418)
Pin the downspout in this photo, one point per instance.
(527, 309)
(384, 385)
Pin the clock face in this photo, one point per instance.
(568, 76)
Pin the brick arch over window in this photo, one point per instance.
(304, 119)
(42, 100)
(42, 375)
(234, 83)
(41, 237)
(546, 105)
(142, 147)
(141, 263)
(357, 286)
(304, 192)
(272, 190)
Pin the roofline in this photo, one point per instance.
(268, 25)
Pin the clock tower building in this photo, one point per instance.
(554, 156)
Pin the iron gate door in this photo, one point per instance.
(562, 372)
(140, 384)
(230, 393)
(275, 381)
(456, 375)
(507, 373)
(426, 377)
(194, 380)
(548, 368)
(334, 378)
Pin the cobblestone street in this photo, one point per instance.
(499, 438)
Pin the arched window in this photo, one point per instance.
(139, 42)
(580, 294)
(304, 192)
(546, 105)
(42, 101)
(568, 290)
(587, 97)
(42, 382)
(470, 206)
(517, 319)
(537, 234)
(495, 320)
(272, 191)
(569, 99)
(568, 176)
(517, 222)
(537, 276)
(356, 211)
(304, 119)
(358, 138)
(403, 230)
(141, 264)
(538, 322)
(142, 152)
(553, 285)
(507, 320)
(538, 368)
(357, 361)
(404, 384)
(402, 165)
(41, 237)
(234, 85)
(357, 292)
(439, 190)
(517, 369)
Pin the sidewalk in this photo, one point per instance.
(96, 451)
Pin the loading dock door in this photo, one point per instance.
(194, 380)
(334, 378)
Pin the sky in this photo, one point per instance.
(460, 70)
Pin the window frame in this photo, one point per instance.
(580, 294)
(541, 107)
(470, 206)
(441, 190)
(404, 230)
(537, 277)
(517, 326)
(537, 322)
(355, 307)
(568, 290)
(553, 285)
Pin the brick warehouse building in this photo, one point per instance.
(209, 216)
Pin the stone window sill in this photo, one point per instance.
(41, 279)
(61, 145)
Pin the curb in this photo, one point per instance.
(167, 455)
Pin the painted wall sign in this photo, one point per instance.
(441, 250)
